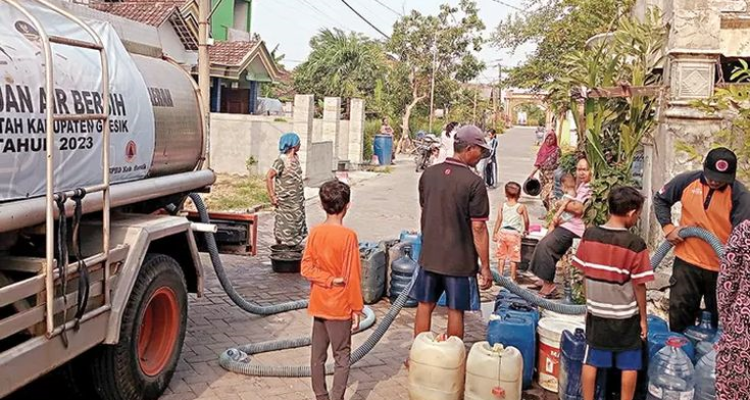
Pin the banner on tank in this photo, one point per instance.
(77, 90)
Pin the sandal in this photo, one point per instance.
(551, 295)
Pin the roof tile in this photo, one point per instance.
(230, 53)
(152, 13)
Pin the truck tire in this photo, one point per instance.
(152, 332)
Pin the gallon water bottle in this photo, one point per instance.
(703, 331)
(402, 271)
(671, 373)
(656, 324)
(705, 377)
(706, 346)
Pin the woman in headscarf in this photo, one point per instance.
(286, 191)
(547, 161)
(733, 297)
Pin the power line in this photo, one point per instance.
(365, 19)
(509, 5)
(389, 8)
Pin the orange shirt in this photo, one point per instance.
(333, 252)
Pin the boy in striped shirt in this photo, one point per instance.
(616, 265)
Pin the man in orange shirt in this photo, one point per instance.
(713, 200)
(331, 263)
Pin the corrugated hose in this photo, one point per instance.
(575, 309)
(226, 360)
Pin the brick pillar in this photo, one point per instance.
(356, 137)
(331, 127)
(302, 123)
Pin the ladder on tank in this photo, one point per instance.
(59, 198)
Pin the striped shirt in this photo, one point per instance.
(613, 261)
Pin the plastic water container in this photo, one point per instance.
(373, 272)
(415, 239)
(656, 324)
(705, 377)
(706, 346)
(383, 148)
(550, 335)
(671, 373)
(519, 332)
(657, 341)
(572, 351)
(504, 297)
(402, 270)
(436, 368)
(493, 372)
(579, 319)
(509, 303)
(703, 331)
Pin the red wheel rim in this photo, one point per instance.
(158, 333)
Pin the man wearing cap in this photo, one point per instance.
(713, 200)
(455, 210)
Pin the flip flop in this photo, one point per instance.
(551, 295)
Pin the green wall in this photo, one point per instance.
(223, 18)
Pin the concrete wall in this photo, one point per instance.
(235, 138)
(320, 159)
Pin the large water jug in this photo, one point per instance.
(402, 271)
(415, 239)
(705, 377)
(519, 332)
(521, 309)
(703, 331)
(436, 368)
(657, 341)
(671, 373)
(572, 351)
(505, 297)
(706, 346)
(493, 372)
(373, 272)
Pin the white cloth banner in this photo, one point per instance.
(77, 76)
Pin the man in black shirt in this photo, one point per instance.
(455, 210)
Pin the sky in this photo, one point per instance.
(291, 23)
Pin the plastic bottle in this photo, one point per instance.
(705, 347)
(671, 373)
(402, 270)
(703, 331)
(705, 377)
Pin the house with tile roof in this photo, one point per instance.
(240, 63)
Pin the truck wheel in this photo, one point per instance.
(153, 326)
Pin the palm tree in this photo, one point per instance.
(342, 65)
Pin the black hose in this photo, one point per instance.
(575, 309)
(226, 284)
(84, 280)
(62, 259)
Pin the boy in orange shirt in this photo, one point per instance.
(331, 264)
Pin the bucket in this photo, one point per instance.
(579, 319)
(550, 334)
(532, 187)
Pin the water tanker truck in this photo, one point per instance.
(95, 163)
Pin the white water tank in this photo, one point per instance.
(493, 373)
(436, 368)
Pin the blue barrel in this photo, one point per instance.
(383, 148)
(519, 332)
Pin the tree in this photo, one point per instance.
(558, 28)
(444, 44)
(341, 65)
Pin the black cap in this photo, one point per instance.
(472, 135)
(720, 165)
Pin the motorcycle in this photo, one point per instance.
(427, 151)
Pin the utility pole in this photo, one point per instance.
(203, 70)
(432, 84)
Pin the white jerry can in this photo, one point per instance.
(436, 368)
(493, 373)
